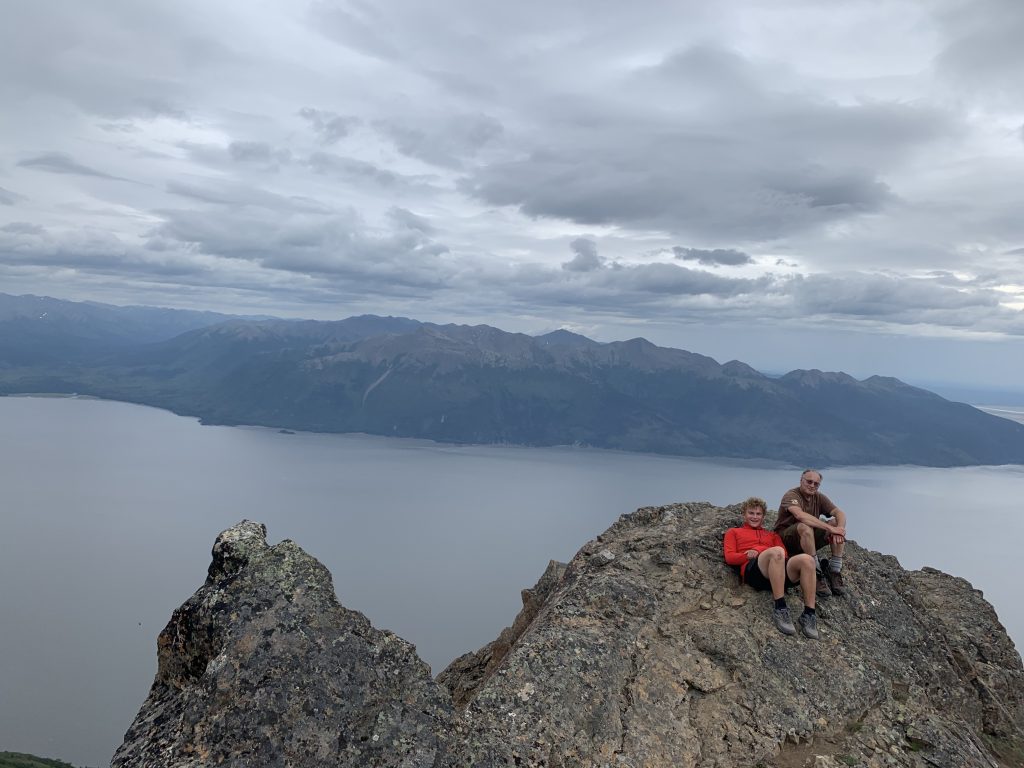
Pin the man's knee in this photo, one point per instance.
(775, 553)
(806, 534)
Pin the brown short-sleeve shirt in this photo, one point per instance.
(818, 504)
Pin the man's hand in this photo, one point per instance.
(751, 554)
(836, 534)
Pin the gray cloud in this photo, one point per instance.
(59, 162)
(22, 228)
(730, 155)
(338, 246)
(9, 198)
(408, 220)
(257, 152)
(239, 195)
(883, 296)
(879, 164)
(717, 256)
(586, 258)
(351, 169)
(445, 142)
(330, 127)
(985, 52)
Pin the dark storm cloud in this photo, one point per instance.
(59, 162)
(9, 198)
(330, 127)
(585, 259)
(717, 256)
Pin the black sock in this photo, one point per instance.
(780, 603)
(808, 610)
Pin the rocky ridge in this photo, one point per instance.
(642, 651)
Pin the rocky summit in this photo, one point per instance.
(642, 651)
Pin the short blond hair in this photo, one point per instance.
(752, 502)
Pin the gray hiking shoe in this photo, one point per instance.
(783, 622)
(808, 625)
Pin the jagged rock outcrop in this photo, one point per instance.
(464, 675)
(262, 667)
(643, 651)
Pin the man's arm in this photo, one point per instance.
(813, 522)
(839, 535)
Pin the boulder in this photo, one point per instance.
(262, 667)
(643, 651)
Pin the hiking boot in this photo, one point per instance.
(836, 583)
(822, 589)
(808, 625)
(783, 621)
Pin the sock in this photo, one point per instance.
(817, 564)
(781, 603)
(835, 563)
(809, 611)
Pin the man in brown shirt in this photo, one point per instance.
(802, 530)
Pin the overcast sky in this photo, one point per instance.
(790, 182)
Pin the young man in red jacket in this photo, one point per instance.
(762, 562)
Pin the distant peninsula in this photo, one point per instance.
(478, 384)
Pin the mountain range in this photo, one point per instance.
(478, 384)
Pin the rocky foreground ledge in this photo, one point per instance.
(643, 651)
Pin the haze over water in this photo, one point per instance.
(109, 512)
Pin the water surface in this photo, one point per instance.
(109, 511)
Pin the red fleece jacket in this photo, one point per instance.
(738, 540)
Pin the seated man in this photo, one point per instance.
(802, 530)
(761, 560)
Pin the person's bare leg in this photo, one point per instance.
(772, 563)
(801, 571)
(807, 545)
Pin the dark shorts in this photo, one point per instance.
(792, 539)
(754, 578)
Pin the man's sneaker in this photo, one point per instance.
(822, 588)
(783, 622)
(809, 625)
(836, 583)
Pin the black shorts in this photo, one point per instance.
(791, 538)
(754, 578)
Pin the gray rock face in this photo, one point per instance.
(658, 657)
(263, 667)
(643, 651)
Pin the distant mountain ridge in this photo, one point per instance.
(479, 384)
